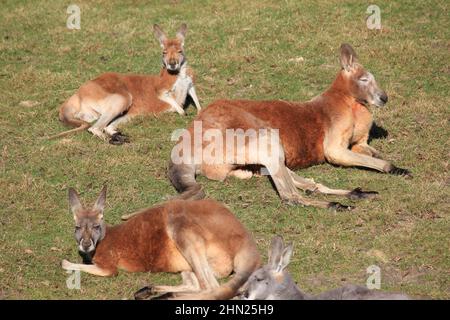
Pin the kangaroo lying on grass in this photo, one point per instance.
(201, 239)
(113, 98)
(273, 282)
(332, 127)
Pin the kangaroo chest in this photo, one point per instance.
(181, 87)
(362, 122)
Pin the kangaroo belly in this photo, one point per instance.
(181, 88)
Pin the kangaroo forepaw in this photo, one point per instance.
(66, 265)
(358, 193)
(336, 206)
(118, 139)
(400, 172)
(144, 293)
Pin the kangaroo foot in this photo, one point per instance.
(118, 139)
(358, 193)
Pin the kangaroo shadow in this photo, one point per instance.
(377, 132)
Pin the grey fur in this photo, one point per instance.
(273, 282)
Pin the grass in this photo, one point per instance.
(237, 52)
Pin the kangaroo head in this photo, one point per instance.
(89, 225)
(270, 281)
(173, 52)
(360, 83)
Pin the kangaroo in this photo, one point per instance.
(273, 282)
(201, 239)
(332, 127)
(113, 98)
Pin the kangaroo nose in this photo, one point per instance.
(384, 98)
(86, 243)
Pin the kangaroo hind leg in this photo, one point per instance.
(310, 186)
(111, 107)
(192, 245)
(262, 149)
(189, 284)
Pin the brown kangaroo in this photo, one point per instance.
(113, 99)
(332, 127)
(201, 239)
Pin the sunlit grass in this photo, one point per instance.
(237, 51)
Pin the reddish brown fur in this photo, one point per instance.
(332, 127)
(143, 244)
(176, 236)
(301, 126)
(143, 88)
(113, 98)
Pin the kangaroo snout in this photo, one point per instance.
(86, 245)
(382, 99)
(173, 65)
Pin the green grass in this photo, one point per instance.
(237, 51)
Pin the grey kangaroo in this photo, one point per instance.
(273, 282)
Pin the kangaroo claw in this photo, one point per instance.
(144, 293)
(336, 206)
(401, 172)
(358, 193)
(118, 139)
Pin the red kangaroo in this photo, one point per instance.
(113, 99)
(332, 127)
(201, 239)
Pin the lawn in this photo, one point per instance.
(261, 50)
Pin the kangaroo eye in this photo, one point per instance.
(77, 228)
(180, 51)
(96, 227)
(363, 79)
(164, 52)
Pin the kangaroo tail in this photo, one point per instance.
(126, 217)
(182, 177)
(83, 126)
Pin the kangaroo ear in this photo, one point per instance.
(99, 205)
(159, 34)
(181, 34)
(275, 251)
(348, 57)
(74, 202)
(285, 258)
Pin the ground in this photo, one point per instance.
(260, 50)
